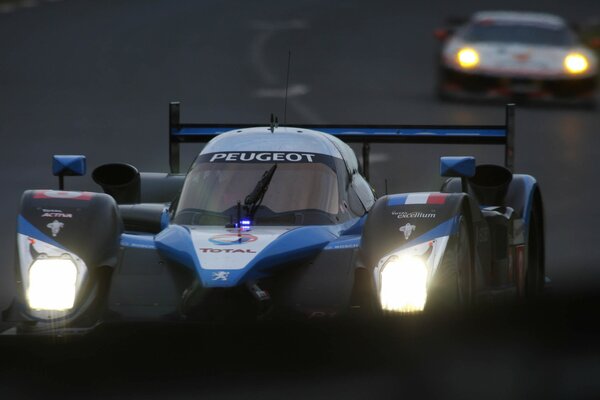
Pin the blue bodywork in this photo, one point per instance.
(300, 243)
(296, 245)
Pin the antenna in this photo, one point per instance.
(274, 123)
(287, 83)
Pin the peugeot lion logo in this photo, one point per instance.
(220, 276)
(407, 229)
(55, 226)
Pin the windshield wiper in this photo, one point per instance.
(253, 200)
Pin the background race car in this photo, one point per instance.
(521, 55)
(276, 222)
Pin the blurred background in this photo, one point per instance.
(95, 77)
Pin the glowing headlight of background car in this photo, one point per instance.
(467, 58)
(52, 284)
(576, 63)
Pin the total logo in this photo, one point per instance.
(232, 238)
(228, 251)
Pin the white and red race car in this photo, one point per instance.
(524, 55)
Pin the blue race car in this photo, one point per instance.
(275, 222)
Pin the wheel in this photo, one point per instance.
(453, 286)
(535, 272)
(465, 272)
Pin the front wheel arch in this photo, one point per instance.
(453, 285)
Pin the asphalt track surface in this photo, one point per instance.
(95, 77)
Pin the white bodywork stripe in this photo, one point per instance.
(417, 198)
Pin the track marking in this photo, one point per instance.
(279, 93)
(6, 8)
(28, 3)
(266, 31)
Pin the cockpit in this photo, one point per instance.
(268, 188)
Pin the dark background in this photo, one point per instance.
(95, 77)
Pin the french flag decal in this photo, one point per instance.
(417, 198)
(59, 194)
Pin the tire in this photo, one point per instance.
(535, 272)
(453, 286)
(465, 271)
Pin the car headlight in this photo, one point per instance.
(52, 284)
(403, 284)
(467, 58)
(576, 63)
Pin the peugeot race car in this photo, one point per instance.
(524, 55)
(275, 222)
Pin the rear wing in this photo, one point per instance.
(366, 134)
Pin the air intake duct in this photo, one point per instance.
(490, 184)
(121, 181)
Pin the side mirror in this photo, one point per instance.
(463, 167)
(67, 166)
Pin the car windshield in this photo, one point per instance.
(518, 33)
(299, 193)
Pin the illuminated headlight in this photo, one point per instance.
(52, 284)
(467, 58)
(576, 63)
(403, 284)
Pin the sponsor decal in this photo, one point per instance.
(417, 198)
(209, 250)
(342, 246)
(55, 227)
(217, 250)
(262, 157)
(58, 194)
(413, 214)
(232, 238)
(55, 214)
(220, 276)
(407, 229)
